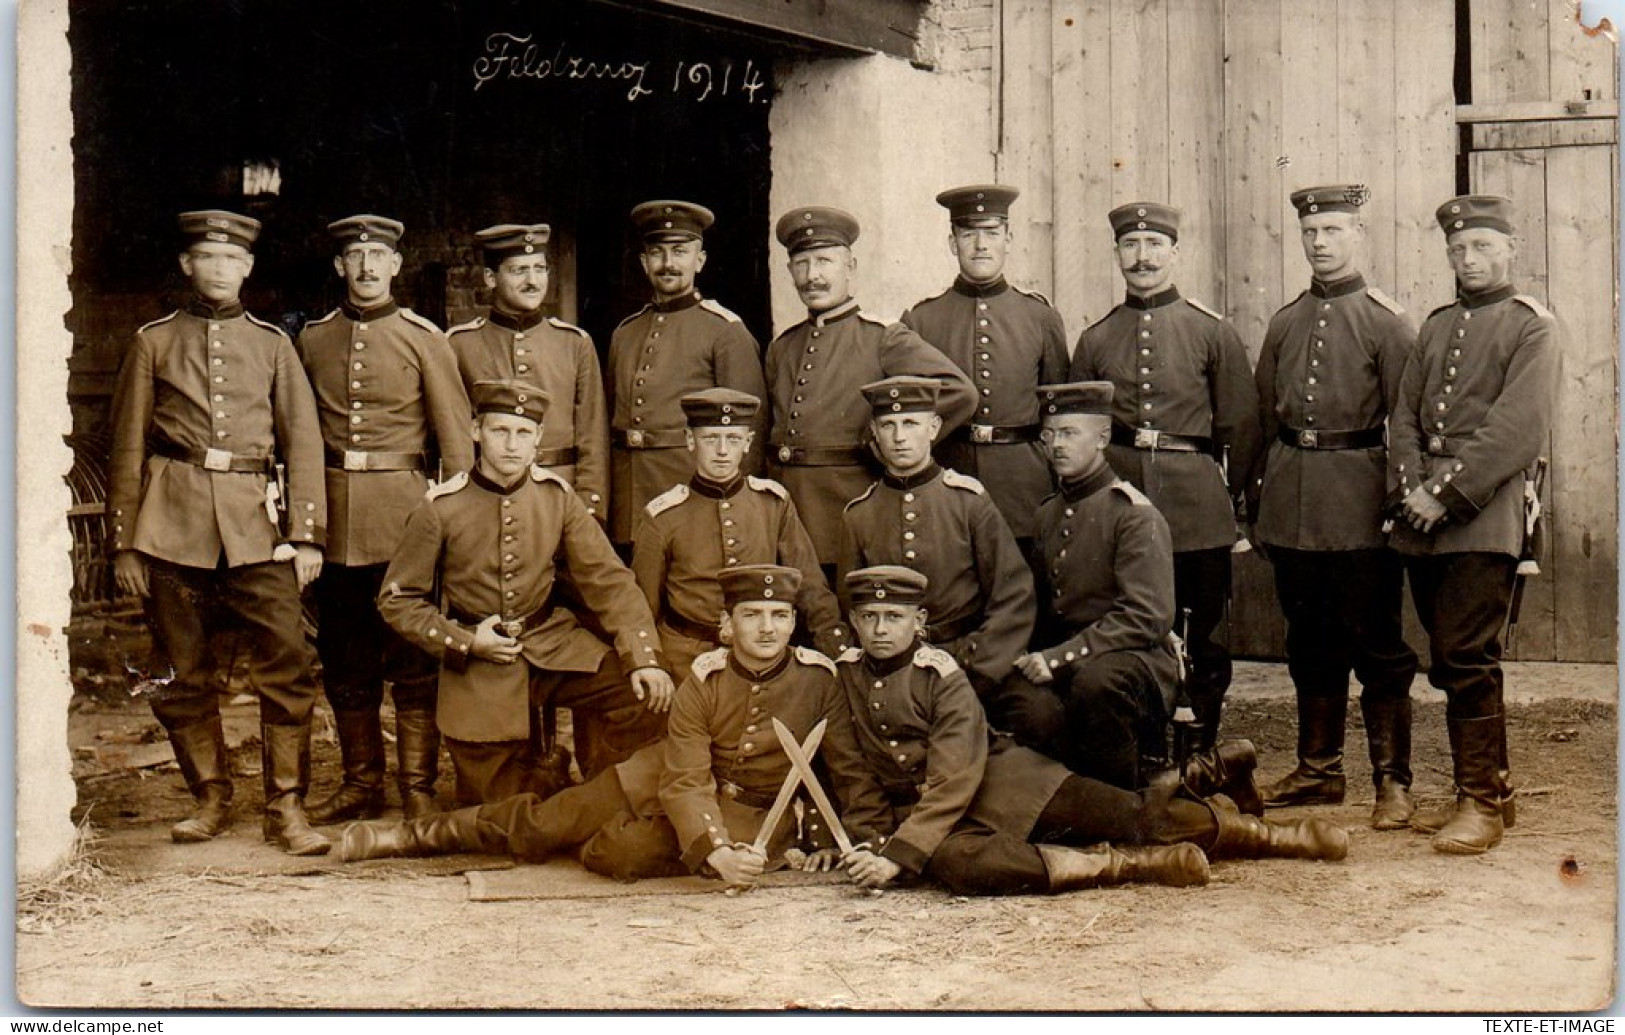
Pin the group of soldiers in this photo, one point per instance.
(942, 567)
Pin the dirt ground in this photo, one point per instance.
(140, 924)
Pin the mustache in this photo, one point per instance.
(1144, 267)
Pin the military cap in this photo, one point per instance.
(1346, 197)
(1075, 397)
(364, 229)
(1475, 210)
(886, 584)
(672, 220)
(518, 398)
(905, 393)
(719, 408)
(978, 203)
(219, 226)
(507, 239)
(816, 227)
(753, 582)
(1145, 215)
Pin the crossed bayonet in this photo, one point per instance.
(801, 774)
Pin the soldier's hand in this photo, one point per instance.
(1422, 510)
(738, 867)
(821, 861)
(307, 564)
(491, 645)
(871, 870)
(130, 573)
(653, 687)
(1035, 668)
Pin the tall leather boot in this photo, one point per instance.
(1388, 734)
(1100, 866)
(287, 775)
(200, 749)
(361, 795)
(1431, 821)
(1318, 778)
(439, 833)
(417, 758)
(1481, 793)
(1226, 769)
(1248, 837)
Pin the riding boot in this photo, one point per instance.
(417, 762)
(287, 774)
(1100, 866)
(1226, 769)
(439, 833)
(1481, 793)
(201, 751)
(1318, 778)
(361, 795)
(1248, 837)
(1388, 734)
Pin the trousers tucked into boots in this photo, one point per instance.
(1388, 735)
(1226, 769)
(286, 754)
(361, 745)
(1072, 869)
(1483, 794)
(200, 749)
(1318, 778)
(417, 759)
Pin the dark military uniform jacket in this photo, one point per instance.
(694, 531)
(388, 394)
(205, 389)
(1330, 364)
(815, 371)
(928, 746)
(659, 354)
(943, 525)
(560, 359)
(1179, 368)
(723, 763)
(1008, 341)
(1110, 573)
(488, 550)
(1475, 407)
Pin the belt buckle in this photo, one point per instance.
(982, 434)
(634, 438)
(1308, 438)
(512, 627)
(217, 459)
(785, 453)
(355, 460)
(1435, 443)
(728, 789)
(1146, 438)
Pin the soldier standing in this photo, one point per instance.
(1008, 341)
(1327, 376)
(721, 519)
(393, 413)
(677, 344)
(1475, 405)
(210, 401)
(472, 582)
(516, 340)
(815, 370)
(1185, 430)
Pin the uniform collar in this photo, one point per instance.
(915, 480)
(706, 487)
(772, 672)
(376, 312)
(840, 312)
(1483, 298)
(1088, 485)
(988, 290)
(516, 321)
(1156, 301)
(202, 307)
(1337, 288)
(893, 664)
(678, 304)
(490, 486)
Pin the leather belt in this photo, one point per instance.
(513, 627)
(1438, 445)
(832, 456)
(640, 439)
(748, 798)
(1150, 438)
(999, 434)
(1311, 438)
(561, 457)
(361, 460)
(942, 632)
(690, 628)
(214, 459)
